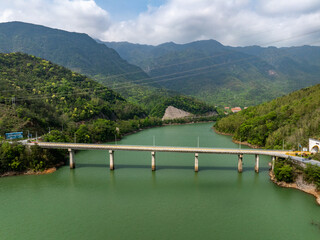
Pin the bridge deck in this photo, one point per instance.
(84, 146)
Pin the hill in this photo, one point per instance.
(36, 94)
(286, 122)
(226, 76)
(82, 54)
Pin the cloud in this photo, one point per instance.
(77, 15)
(232, 22)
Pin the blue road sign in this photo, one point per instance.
(14, 135)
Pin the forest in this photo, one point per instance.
(43, 99)
(286, 122)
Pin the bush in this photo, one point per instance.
(283, 171)
(312, 175)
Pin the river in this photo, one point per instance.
(174, 202)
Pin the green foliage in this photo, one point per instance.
(312, 175)
(47, 95)
(283, 171)
(222, 75)
(56, 136)
(18, 158)
(291, 119)
(75, 51)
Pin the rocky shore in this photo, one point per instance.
(299, 184)
(31, 172)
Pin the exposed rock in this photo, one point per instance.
(174, 113)
(299, 184)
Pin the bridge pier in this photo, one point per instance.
(196, 166)
(153, 161)
(240, 156)
(111, 158)
(273, 161)
(256, 166)
(71, 158)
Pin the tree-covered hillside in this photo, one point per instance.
(36, 94)
(226, 76)
(75, 51)
(82, 54)
(288, 120)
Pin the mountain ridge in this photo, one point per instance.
(250, 75)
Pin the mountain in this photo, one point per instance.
(36, 94)
(223, 75)
(286, 122)
(300, 65)
(75, 51)
(82, 54)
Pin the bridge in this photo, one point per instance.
(71, 147)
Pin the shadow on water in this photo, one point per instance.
(163, 167)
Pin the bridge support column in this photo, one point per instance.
(196, 166)
(273, 161)
(240, 156)
(71, 158)
(256, 166)
(153, 161)
(111, 158)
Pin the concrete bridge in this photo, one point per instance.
(153, 149)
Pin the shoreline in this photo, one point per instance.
(299, 184)
(31, 172)
(234, 140)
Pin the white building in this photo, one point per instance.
(314, 145)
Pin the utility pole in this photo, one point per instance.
(13, 100)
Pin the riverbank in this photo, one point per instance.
(299, 184)
(31, 172)
(234, 140)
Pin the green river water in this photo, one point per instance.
(174, 202)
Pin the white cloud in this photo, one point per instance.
(71, 15)
(292, 7)
(232, 22)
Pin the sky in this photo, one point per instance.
(278, 23)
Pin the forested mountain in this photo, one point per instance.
(75, 51)
(36, 94)
(226, 75)
(82, 54)
(286, 122)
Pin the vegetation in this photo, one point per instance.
(19, 158)
(36, 94)
(222, 75)
(287, 171)
(286, 122)
(82, 54)
(284, 170)
(312, 175)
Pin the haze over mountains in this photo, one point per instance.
(226, 75)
